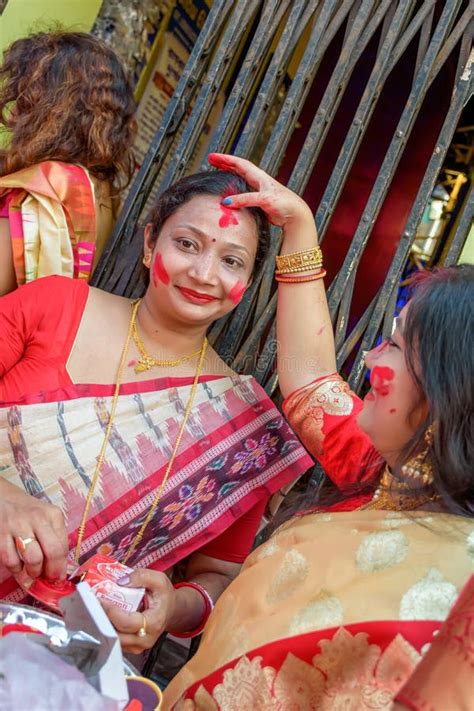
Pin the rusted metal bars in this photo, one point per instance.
(355, 42)
(360, 122)
(251, 69)
(237, 323)
(392, 157)
(326, 25)
(299, 17)
(236, 30)
(461, 92)
(359, 34)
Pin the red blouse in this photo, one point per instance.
(324, 416)
(38, 325)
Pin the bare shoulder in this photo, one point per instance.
(106, 303)
(105, 314)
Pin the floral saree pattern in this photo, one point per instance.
(236, 451)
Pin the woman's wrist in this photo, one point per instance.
(192, 607)
(299, 231)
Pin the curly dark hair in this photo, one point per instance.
(215, 182)
(65, 96)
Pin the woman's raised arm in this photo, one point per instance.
(304, 331)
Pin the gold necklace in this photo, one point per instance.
(101, 457)
(394, 495)
(147, 361)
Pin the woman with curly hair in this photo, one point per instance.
(68, 111)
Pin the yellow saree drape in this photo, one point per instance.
(325, 571)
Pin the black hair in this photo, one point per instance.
(439, 353)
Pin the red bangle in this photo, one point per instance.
(209, 606)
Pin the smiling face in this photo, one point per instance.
(394, 407)
(201, 265)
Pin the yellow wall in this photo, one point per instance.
(21, 17)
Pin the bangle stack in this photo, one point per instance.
(209, 606)
(297, 263)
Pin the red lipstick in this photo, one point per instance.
(196, 297)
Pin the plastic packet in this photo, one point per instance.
(32, 678)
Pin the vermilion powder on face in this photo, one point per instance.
(228, 217)
(380, 377)
(159, 271)
(237, 292)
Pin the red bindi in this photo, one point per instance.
(131, 363)
(159, 271)
(237, 292)
(380, 377)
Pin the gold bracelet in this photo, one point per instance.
(294, 270)
(300, 280)
(308, 259)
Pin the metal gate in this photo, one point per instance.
(326, 40)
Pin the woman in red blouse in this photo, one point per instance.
(123, 432)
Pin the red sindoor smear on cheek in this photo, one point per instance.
(380, 378)
(236, 293)
(228, 217)
(159, 271)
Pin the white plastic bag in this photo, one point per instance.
(34, 679)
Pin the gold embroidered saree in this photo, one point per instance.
(333, 612)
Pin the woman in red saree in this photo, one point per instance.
(68, 111)
(100, 397)
(338, 607)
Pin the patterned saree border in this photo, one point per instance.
(321, 662)
(187, 464)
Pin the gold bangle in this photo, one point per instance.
(300, 280)
(294, 270)
(307, 259)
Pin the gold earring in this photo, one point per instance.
(147, 259)
(419, 467)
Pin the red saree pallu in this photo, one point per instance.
(236, 451)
